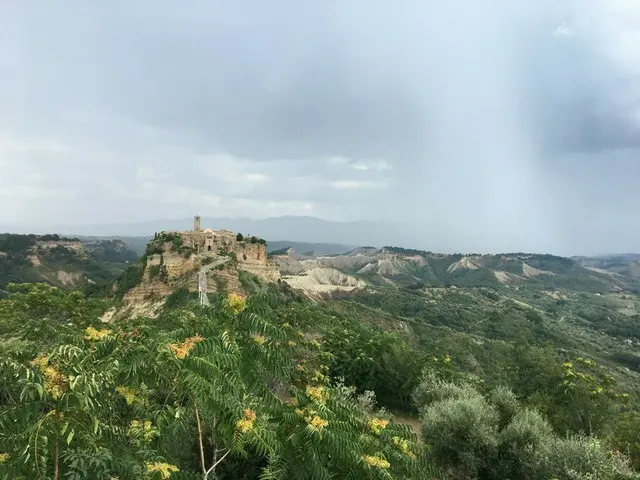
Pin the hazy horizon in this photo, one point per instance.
(374, 234)
(478, 126)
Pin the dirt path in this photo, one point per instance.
(413, 422)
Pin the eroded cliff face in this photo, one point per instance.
(252, 257)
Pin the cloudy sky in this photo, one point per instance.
(498, 123)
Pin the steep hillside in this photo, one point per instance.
(64, 262)
(171, 263)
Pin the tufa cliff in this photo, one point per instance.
(174, 260)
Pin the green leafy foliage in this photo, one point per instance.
(130, 278)
(197, 393)
(491, 436)
(525, 380)
(374, 360)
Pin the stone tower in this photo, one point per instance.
(196, 223)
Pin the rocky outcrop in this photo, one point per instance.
(252, 258)
(171, 268)
(322, 281)
(465, 263)
(530, 271)
(70, 279)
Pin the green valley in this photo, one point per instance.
(375, 363)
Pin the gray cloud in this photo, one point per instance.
(494, 125)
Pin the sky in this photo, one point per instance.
(494, 124)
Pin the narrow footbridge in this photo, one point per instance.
(202, 278)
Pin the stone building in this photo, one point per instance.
(207, 240)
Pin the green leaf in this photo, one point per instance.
(70, 437)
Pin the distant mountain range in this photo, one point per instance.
(298, 229)
(281, 232)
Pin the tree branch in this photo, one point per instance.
(206, 474)
(204, 468)
(55, 462)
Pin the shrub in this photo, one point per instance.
(164, 273)
(154, 270)
(580, 457)
(239, 237)
(130, 278)
(625, 436)
(492, 436)
(462, 432)
(178, 298)
(432, 389)
(507, 404)
(520, 443)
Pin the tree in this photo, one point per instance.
(199, 390)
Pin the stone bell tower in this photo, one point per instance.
(196, 223)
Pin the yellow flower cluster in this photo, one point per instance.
(318, 423)
(312, 418)
(376, 461)
(143, 430)
(182, 350)
(259, 339)
(245, 424)
(318, 394)
(4, 457)
(164, 469)
(237, 303)
(55, 383)
(314, 343)
(129, 395)
(291, 343)
(403, 445)
(377, 425)
(93, 334)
